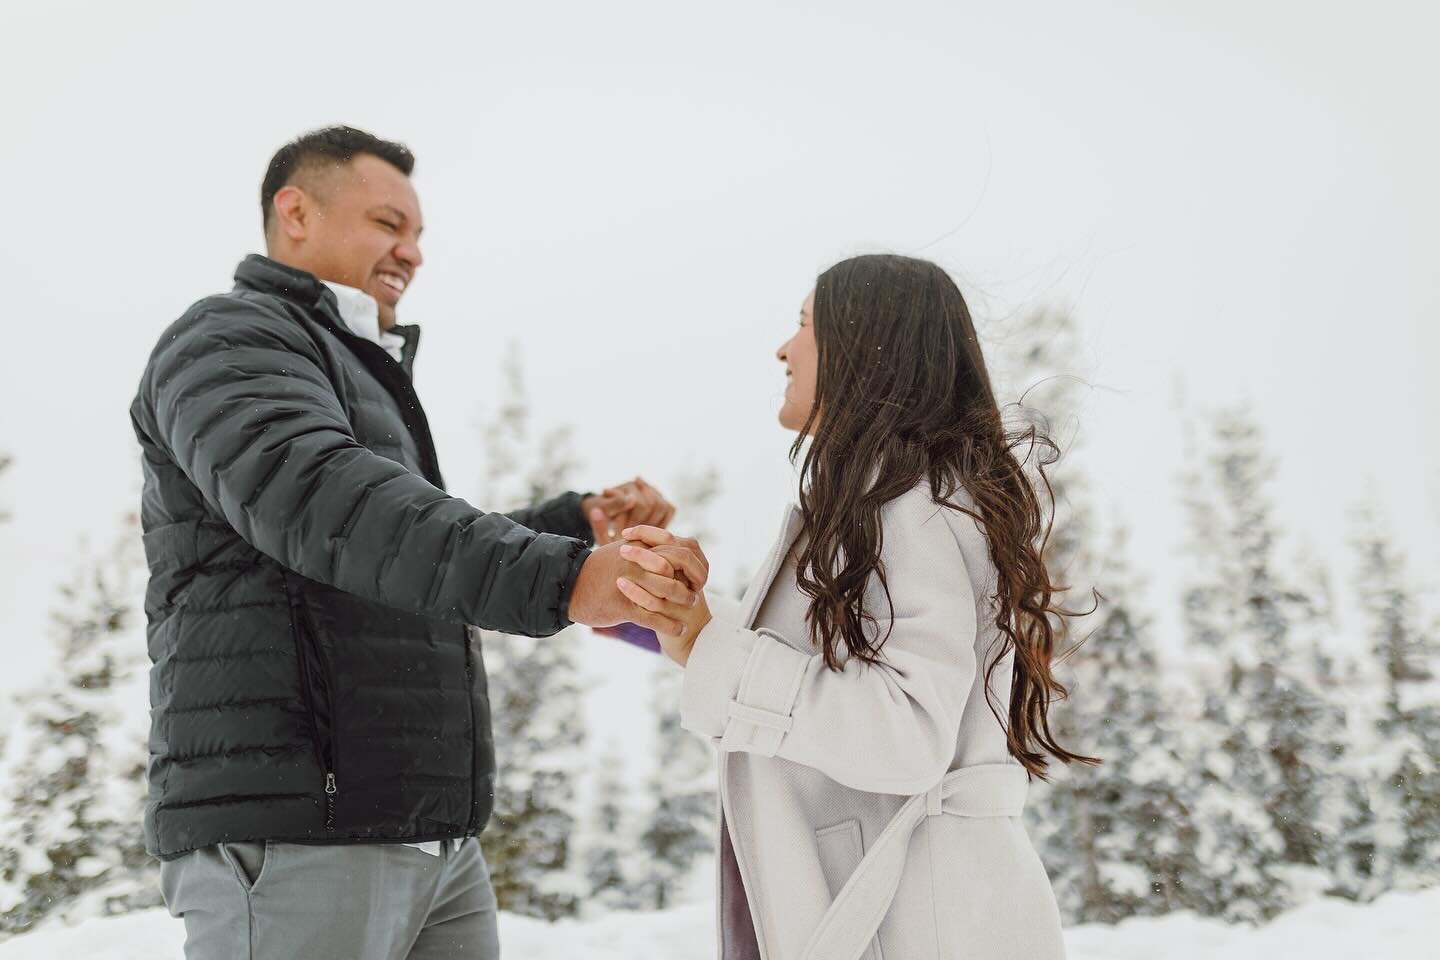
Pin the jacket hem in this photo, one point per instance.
(317, 842)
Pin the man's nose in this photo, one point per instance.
(408, 253)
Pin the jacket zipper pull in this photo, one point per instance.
(329, 801)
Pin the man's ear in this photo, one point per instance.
(290, 212)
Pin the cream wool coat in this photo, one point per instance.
(875, 812)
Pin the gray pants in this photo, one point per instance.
(361, 901)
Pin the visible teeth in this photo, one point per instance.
(392, 281)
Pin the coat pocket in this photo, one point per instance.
(315, 690)
(841, 849)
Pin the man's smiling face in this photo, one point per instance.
(355, 223)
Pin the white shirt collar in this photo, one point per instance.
(362, 315)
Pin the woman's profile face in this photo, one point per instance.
(801, 364)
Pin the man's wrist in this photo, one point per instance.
(568, 613)
(587, 502)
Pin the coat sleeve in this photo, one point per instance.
(559, 515)
(884, 727)
(241, 403)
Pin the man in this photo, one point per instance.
(320, 749)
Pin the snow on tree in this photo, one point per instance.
(1399, 818)
(1331, 682)
(608, 857)
(73, 772)
(1269, 795)
(535, 693)
(682, 822)
(1117, 837)
(533, 842)
(535, 706)
(1114, 837)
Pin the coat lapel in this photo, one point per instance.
(760, 586)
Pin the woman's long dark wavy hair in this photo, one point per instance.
(903, 394)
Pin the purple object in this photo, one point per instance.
(642, 637)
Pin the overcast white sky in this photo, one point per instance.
(1237, 199)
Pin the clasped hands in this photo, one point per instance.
(664, 578)
(642, 574)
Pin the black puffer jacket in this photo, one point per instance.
(311, 582)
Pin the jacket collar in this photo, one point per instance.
(301, 287)
(260, 273)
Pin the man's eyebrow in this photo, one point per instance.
(398, 213)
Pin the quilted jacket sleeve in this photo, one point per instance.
(239, 399)
(558, 515)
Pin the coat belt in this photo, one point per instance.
(984, 790)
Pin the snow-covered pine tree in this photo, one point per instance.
(1265, 796)
(1238, 851)
(535, 691)
(682, 821)
(1117, 837)
(1108, 836)
(74, 769)
(1417, 781)
(1305, 731)
(1331, 679)
(1401, 846)
(610, 855)
(535, 704)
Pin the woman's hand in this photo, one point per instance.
(631, 503)
(662, 554)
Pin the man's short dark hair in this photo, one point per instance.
(333, 145)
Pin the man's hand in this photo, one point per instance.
(596, 600)
(633, 502)
(655, 552)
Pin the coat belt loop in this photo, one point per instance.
(932, 800)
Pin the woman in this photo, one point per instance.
(879, 697)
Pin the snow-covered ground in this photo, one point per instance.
(1398, 926)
